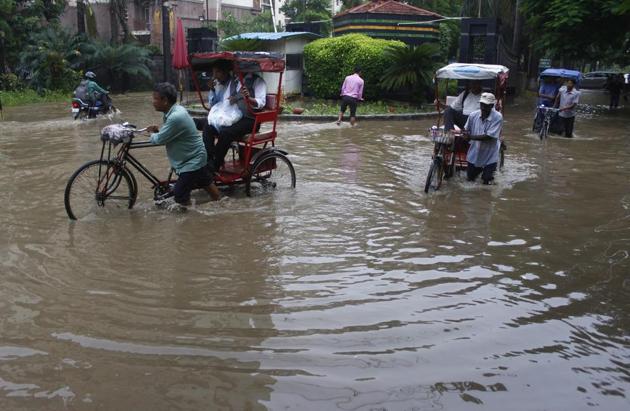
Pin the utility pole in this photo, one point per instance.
(166, 40)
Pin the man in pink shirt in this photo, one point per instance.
(351, 93)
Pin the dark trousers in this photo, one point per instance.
(347, 101)
(487, 172)
(614, 100)
(452, 116)
(188, 181)
(567, 122)
(217, 150)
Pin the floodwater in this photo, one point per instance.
(356, 291)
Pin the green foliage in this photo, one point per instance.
(449, 40)
(121, 62)
(328, 61)
(49, 59)
(10, 82)
(447, 8)
(241, 44)
(331, 107)
(559, 29)
(309, 11)
(296, 10)
(349, 4)
(30, 96)
(19, 20)
(262, 22)
(410, 68)
(229, 26)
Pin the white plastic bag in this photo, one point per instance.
(224, 114)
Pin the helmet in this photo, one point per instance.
(90, 75)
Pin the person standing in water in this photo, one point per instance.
(351, 94)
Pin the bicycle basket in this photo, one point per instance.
(116, 133)
(438, 136)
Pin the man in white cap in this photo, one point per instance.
(483, 128)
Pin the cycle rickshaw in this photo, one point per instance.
(255, 161)
(546, 115)
(449, 152)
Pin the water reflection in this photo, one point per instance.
(355, 291)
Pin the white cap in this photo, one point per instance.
(487, 98)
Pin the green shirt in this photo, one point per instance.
(92, 86)
(184, 146)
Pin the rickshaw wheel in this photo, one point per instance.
(434, 178)
(271, 173)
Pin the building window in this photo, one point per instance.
(294, 62)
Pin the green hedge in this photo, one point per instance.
(328, 61)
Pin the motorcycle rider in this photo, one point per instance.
(89, 90)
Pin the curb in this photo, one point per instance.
(326, 118)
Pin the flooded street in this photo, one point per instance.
(356, 291)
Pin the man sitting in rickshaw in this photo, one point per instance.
(229, 88)
(465, 103)
(483, 128)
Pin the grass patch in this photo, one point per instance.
(29, 96)
(320, 107)
(316, 107)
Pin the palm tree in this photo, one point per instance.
(50, 58)
(120, 62)
(411, 68)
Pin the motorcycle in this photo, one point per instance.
(83, 108)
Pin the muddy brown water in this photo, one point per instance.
(354, 292)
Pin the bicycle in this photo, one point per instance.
(108, 182)
(447, 157)
(547, 115)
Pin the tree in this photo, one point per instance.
(446, 8)
(349, 4)
(230, 26)
(119, 62)
(410, 68)
(19, 20)
(558, 29)
(307, 10)
(48, 61)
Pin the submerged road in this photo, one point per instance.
(354, 292)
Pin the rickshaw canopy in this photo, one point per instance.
(469, 71)
(564, 73)
(244, 61)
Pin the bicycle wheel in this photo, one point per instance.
(435, 176)
(81, 197)
(271, 173)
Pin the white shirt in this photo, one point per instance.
(466, 106)
(260, 90)
(481, 153)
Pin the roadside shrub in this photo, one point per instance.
(328, 61)
(10, 82)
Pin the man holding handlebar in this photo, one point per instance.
(483, 128)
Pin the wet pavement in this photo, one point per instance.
(356, 291)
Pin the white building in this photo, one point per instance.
(291, 44)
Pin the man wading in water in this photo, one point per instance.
(483, 128)
(184, 146)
